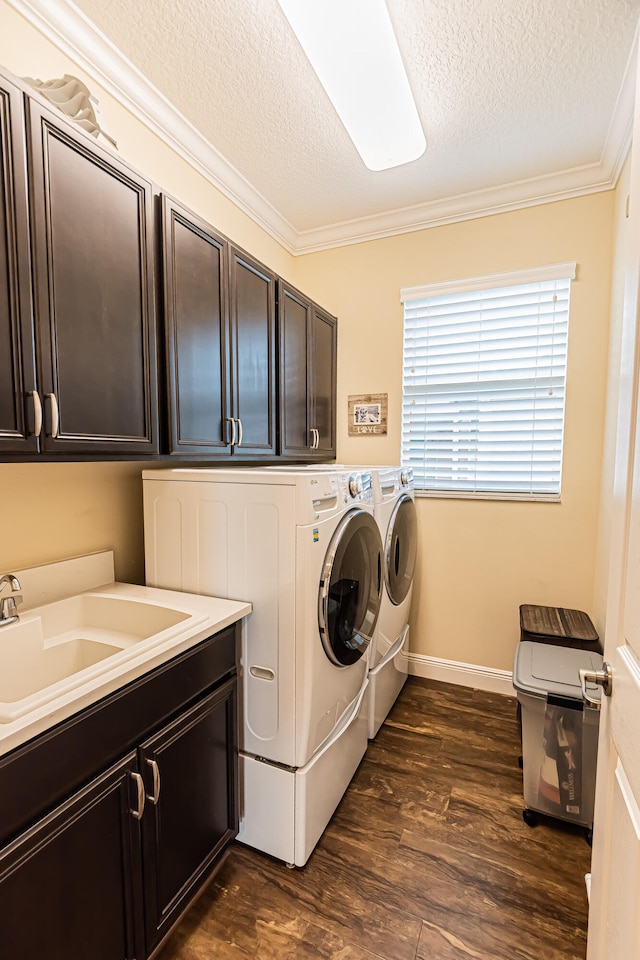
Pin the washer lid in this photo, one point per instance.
(543, 669)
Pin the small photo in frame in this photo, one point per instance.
(368, 414)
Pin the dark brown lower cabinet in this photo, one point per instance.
(71, 885)
(191, 810)
(105, 873)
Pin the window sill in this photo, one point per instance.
(471, 495)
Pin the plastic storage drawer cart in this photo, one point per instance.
(559, 731)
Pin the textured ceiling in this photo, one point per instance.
(508, 90)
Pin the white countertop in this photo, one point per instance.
(205, 617)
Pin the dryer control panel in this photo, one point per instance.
(406, 477)
(360, 486)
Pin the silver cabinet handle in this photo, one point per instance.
(316, 440)
(602, 678)
(137, 779)
(156, 782)
(239, 432)
(37, 413)
(55, 416)
(233, 433)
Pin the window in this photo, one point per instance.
(484, 383)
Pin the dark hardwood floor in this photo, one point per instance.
(427, 856)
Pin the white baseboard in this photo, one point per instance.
(463, 674)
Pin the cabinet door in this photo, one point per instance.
(324, 383)
(190, 771)
(92, 228)
(252, 297)
(17, 374)
(295, 314)
(70, 886)
(196, 328)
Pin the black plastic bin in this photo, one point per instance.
(559, 626)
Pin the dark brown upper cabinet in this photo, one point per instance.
(78, 337)
(195, 277)
(219, 307)
(17, 352)
(323, 381)
(307, 342)
(92, 254)
(252, 328)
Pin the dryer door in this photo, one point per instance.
(400, 549)
(349, 598)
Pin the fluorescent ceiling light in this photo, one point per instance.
(353, 49)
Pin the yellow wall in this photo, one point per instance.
(52, 511)
(479, 560)
(58, 510)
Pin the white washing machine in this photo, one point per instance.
(395, 512)
(305, 549)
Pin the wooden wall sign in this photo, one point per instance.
(368, 415)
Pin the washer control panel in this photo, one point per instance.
(355, 486)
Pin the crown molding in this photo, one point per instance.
(468, 206)
(618, 141)
(563, 185)
(68, 28)
(62, 23)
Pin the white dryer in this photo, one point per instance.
(305, 549)
(395, 512)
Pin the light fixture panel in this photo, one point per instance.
(353, 49)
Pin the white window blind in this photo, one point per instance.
(484, 386)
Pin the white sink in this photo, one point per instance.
(82, 636)
(112, 620)
(58, 646)
(27, 667)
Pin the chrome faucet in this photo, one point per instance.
(9, 605)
